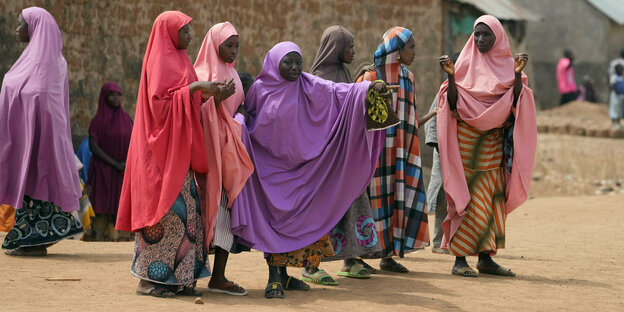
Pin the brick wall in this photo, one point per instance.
(105, 40)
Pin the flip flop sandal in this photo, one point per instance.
(295, 284)
(465, 272)
(318, 278)
(367, 266)
(357, 271)
(229, 288)
(275, 286)
(159, 292)
(27, 252)
(500, 270)
(394, 267)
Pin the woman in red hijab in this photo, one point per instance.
(159, 199)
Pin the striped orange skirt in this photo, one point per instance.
(483, 227)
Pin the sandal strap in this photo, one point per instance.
(159, 291)
(319, 275)
(356, 269)
(274, 285)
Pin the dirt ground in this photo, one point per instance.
(565, 245)
(566, 252)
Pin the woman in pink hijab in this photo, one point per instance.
(486, 137)
(228, 161)
(37, 167)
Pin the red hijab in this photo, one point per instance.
(167, 135)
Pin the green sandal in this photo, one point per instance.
(357, 271)
(318, 277)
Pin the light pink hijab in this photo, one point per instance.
(485, 100)
(228, 161)
(210, 67)
(36, 154)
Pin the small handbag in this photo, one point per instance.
(379, 112)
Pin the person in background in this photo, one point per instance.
(613, 63)
(616, 96)
(247, 80)
(565, 78)
(353, 236)
(86, 215)
(38, 174)
(587, 90)
(109, 138)
(436, 198)
(84, 154)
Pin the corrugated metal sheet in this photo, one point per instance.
(504, 9)
(614, 9)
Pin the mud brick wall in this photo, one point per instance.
(105, 40)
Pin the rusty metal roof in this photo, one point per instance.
(614, 9)
(504, 9)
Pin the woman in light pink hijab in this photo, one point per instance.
(38, 173)
(486, 137)
(229, 163)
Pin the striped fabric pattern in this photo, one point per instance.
(397, 191)
(223, 236)
(483, 227)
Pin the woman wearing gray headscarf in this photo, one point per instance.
(357, 225)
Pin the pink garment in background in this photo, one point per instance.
(228, 161)
(36, 154)
(565, 76)
(484, 101)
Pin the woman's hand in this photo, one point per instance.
(226, 89)
(378, 86)
(241, 110)
(520, 60)
(447, 65)
(455, 115)
(207, 88)
(121, 167)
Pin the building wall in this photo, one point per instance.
(573, 24)
(106, 40)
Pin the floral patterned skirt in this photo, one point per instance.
(307, 256)
(39, 223)
(355, 235)
(172, 251)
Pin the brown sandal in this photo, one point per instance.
(229, 288)
(465, 272)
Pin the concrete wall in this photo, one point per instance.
(105, 40)
(579, 26)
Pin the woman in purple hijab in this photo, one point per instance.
(37, 166)
(313, 157)
(109, 139)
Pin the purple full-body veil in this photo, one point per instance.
(36, 154)
(312, 153)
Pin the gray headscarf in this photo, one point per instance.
(328, 63)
